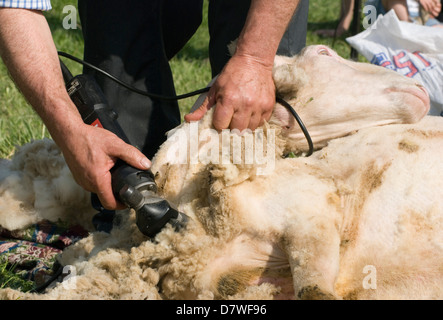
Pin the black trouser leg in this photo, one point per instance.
(181, 18)
(126, 39)
(133, 40)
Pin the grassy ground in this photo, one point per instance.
(19, 124)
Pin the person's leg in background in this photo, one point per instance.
(133, 40)
(399, 6)
(180, 20)
(440, 16)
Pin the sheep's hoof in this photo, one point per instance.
(314, 293)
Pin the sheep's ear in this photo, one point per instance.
(284, 75)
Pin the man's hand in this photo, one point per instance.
(243, 95)
(90, 155)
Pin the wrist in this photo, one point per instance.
(62, 118)
(250, 58)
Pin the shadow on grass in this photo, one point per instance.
(193, 51)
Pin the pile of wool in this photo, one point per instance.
(36, 184)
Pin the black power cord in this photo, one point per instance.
(131, 88)
(58, 271)
(182, 96)
(300, 123)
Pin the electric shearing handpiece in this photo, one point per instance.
(133, 187)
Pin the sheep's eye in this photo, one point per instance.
(323, 52)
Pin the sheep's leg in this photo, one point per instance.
(314, 260)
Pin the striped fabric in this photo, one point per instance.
(27, 4)
(413, 8)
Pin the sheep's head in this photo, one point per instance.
(335, 97)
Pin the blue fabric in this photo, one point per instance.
(432, 22)
(43, 5)
(378, 6)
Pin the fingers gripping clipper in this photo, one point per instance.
(133, 187)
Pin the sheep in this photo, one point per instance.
(304, 230)
(364, 208)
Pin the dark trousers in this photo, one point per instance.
(440, 16)
(135, 39)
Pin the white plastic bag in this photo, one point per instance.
(413, 50)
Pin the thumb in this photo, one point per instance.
(201, 111)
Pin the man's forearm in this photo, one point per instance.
(28, 50)
(265, 25)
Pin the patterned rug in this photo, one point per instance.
(32, 253)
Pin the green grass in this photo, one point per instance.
(190, 67)
(19, 124)
(8, 279)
